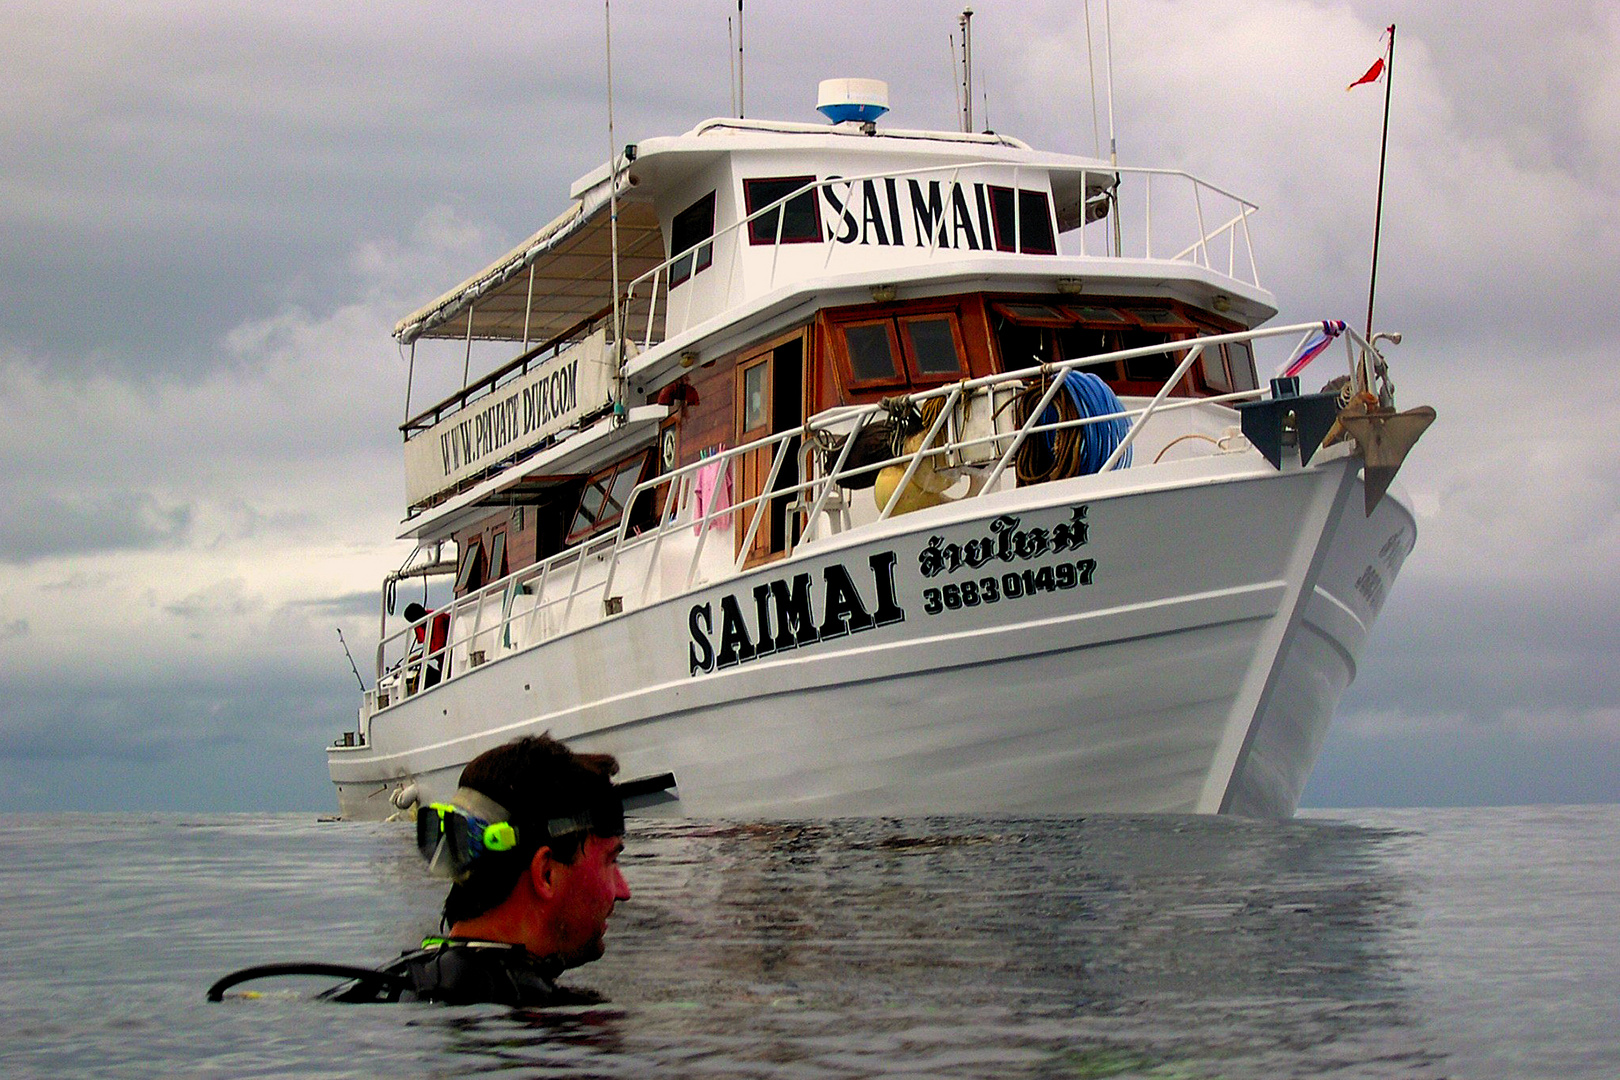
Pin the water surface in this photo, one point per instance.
(1471, 943)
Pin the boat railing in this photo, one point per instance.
(1211, 224)
(1180, 230)
(696, 538)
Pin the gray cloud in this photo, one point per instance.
(118, 717)
(350, 605)
(42, 525)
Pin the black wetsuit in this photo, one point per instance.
(462, 971)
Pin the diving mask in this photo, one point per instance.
(452, 836)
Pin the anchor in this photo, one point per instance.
(1307, 416)
(1385, 438)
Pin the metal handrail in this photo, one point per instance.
(1200, 245)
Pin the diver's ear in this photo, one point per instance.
(542, 870)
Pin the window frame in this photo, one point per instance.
(913, 368)
(702, 247)
(1011, 235)
(896, 352)
(745, 433)
(471, 563)
(758, 232)
(609, 476)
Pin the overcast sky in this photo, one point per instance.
(213, 212)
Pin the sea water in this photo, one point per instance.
(1413, 943)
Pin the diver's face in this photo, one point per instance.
(586, 891)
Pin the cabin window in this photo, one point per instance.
(925, 348)
(1154, 367)
(469, 575)
(497, 556)
(1030, 227)
(873, 352)
(1214, 370)
(606, 494)
(1074, 342)
(1034, 314)
(935, 348)
(798, 218)
(1090, 314)
(1240, 361)
(756, 395)
(1163, 318)
(692, 229)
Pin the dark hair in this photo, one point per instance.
(536, 779)
(414, 611)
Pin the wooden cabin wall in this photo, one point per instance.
(520, 526)
(712, 421)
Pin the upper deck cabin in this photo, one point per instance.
(769, 271)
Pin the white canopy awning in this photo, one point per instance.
(572, 275)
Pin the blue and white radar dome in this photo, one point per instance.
(860, 100)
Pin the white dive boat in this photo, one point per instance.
(914, 482)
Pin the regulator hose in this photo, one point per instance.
(367, 976)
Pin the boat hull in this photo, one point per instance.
(1113, 658)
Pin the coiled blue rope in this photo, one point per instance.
(1091, 397)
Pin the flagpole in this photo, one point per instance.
(1383, 151)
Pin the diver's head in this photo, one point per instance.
(532, 839)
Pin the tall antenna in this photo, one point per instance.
(965, 20)
(1113, 146)
(731, 58)
(956, 81)
(613, 200)
(741, 109)
(1091, 76)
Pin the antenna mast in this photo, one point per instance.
(1113, 146)
(613, 204)
(965, 20)
(731, 58)
(741, 109)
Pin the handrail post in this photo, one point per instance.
(1023, 432)
(1203, 235)
(1164, 392)
(762, 502)
(1147, 216)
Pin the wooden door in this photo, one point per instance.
(770, 399)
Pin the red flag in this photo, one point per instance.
(1375, 72)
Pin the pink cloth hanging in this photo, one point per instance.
(711, 490)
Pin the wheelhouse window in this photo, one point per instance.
(1029, 229)
(604, 500)
(933, 345)
(1031, 332)
(923, 349)
(692, 231)
(797, 218)
(470, 574)
(873, 352)
(497, 556)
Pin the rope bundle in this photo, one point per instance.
(1074, 451)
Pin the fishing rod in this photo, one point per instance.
(352, 666)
